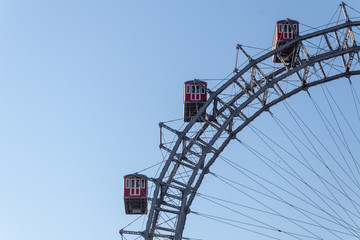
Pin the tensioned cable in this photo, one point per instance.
(323, 118)
(262, 49)
(342, 114)
(174, 120)
(335, 176)
(293, 114)
(297, 177)
(308, 166)
(133, 221)
(257, 209)
(326, 26)
(247, 229)
(240, 213)
(327, 213)
(252, 150)
(285, 162)
(232, 220)
(154, 165)
(280, 199)
(355, 97)
(266, 206)
(352, 8)
(248, 224)
(228, 222)
(344, 142)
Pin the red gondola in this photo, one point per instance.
(194, 98)
(135, 194)
(285, 31)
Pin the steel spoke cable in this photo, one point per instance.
(352, 8)
(319, 109)
(336, 218)
(328, 124)
(240, 213)
(174, 120)
(247, 229)
(308, 166)
(152, 166)
(227, 220)
(355, 98)
(321, 144)
(324, 26)
(278, 198)
(323, 118)
(316, 174)
(318, 195)
(273, 196)
(235, 203)
(296, 176)
(293, 114)
(230, 220)
(342, 114)
(261, 203)
(257, 48)
(290, 154)
(252, 150)
(274, 214)
(132, 222)
(313, 204)
(353, 132)
(261, 52)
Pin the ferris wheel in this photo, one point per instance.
(291, 115)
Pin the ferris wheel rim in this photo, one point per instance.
(184, 207)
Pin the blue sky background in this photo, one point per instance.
(83, 86)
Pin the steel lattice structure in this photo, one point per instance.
(252, 90)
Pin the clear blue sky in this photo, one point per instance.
(83, 85)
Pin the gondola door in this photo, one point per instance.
(195, 93)
(135, 187)
(286, 32)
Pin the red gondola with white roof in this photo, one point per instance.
(285, 31)
(194, 98)
(135, 194)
